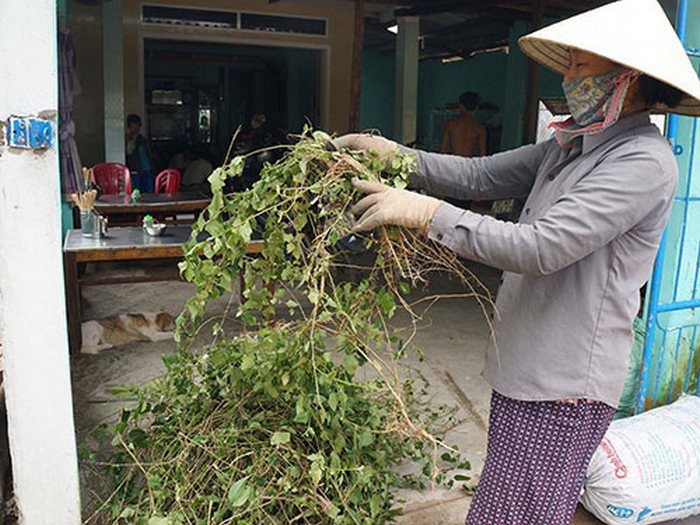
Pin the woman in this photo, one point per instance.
(597, 199)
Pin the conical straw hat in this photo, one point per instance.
(634, 33)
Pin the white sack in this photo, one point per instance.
(647, 468)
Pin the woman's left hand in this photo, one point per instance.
(362, 141)
(385, 205)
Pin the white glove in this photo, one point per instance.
(360, 141)
(386, 205)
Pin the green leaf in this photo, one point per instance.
(321, 136)
(137, 436)
(313, 296)
(239, 493)
(246, 231)
(217, 180)
(333, 401)
(400, 183)
(317, 466)
(386, 302)
(333, 237)
(350, 363)
(291, 304)
(302, 416)
(447, 456)
(280, 438)
(156, 520)
(375, 505)
(247, 362)
(332, 511)
(365, 438)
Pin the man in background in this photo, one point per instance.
(465, 136)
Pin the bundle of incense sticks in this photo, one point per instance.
(84, 200)
(89, 177)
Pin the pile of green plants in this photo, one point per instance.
(305, 414)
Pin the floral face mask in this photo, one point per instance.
(595, 103)
(588, 97)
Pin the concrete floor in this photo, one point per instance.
(453, 334)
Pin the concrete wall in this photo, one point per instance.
(32, 304)
(548, 86)
(377, 97)
(87, 32)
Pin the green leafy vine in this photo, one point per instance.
(304, 415)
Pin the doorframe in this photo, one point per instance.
(203, 37)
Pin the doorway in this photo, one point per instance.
(197, 94)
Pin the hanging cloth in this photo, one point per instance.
(68, 87)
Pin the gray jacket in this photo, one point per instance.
(575, 262)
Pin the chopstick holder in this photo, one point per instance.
(85, 200)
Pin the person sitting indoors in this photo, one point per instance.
(198, 170)
(138, 158)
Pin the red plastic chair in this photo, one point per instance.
(108, 174)
(168, 181)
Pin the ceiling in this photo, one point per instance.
(462, 28)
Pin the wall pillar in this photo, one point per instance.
(515, 96)
(406, 101)
(113, 75)
(32, 304)
(532, 99)
(356, 75)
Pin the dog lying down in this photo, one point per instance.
(100, 334)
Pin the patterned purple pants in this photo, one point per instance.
(536, 460)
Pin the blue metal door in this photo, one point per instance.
(671, 358)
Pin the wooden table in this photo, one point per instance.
(121, 244)
(125, 212)
(181, 202)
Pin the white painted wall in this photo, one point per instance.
(32, 305)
